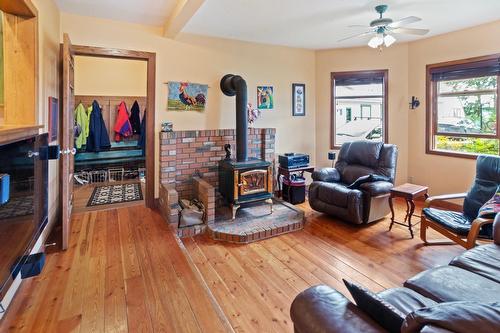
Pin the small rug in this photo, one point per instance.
(111, 194)
(16, 207)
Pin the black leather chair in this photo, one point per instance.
(357, 189)
(464, 227)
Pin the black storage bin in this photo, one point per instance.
(294, 191)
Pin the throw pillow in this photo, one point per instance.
(379, 310)
(490, 209)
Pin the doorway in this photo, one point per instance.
(68, 171)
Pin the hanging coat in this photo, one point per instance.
(82, 119)
(142, 139)
(98, 138)
(135, 118)
(122, 128)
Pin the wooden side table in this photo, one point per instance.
(409, 192)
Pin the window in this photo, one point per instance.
(359, 106)
(463, 106)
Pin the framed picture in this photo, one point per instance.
(265, 98)
(53, 118)
(187, 96)
(298, 99)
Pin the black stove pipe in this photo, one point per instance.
(232, 85)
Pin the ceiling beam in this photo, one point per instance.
(182, 13)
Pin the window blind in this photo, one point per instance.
(359, 80)
(466, 71)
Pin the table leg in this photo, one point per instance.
(412, 210)
(392, 212)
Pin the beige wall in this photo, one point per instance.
(395, 59)
(443, 174)
(48, 81)
(206, 60)
(110, 77)
(406, 63)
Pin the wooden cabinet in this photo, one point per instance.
(19, 112)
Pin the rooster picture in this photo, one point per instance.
(187, 100)
(186, 96)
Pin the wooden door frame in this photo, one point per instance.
(150, 58)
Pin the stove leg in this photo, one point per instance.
(234, 208)
(270, 202)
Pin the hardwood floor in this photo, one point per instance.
(256, 283)
(125, 271)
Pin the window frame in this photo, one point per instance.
(384, 73)
(431, 100)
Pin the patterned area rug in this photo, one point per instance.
(15, 207)
(111, 194)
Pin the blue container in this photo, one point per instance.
(4, 188)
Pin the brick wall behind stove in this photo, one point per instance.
(185, 154)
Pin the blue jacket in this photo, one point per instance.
(98, 138)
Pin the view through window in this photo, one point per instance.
(465, 109)
(358, 106)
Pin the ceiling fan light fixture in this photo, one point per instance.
(389, 40)
(376, 41)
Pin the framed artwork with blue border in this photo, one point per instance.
(298, 99)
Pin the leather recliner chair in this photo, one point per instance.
(357, 189)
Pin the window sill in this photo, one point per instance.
(453, 154)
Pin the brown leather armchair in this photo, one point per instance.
(357, 189)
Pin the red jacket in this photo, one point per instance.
(122, 124)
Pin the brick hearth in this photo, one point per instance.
(189, 168)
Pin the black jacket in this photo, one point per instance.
(98, 138)
(135, 118)
(142, 139)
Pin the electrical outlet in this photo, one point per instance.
(410, 179)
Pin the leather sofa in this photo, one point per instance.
(471, 276)
(357, 189)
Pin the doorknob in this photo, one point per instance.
(68, 151)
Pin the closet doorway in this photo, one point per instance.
(113, 169)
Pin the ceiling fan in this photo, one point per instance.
(384, 28)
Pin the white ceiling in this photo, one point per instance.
(315, 24)
(150, 12)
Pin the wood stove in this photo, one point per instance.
(243, 180)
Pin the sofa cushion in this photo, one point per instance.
(323, 309)
(450, 283)
(352, 172)
(388, 316)
(454, 221)
(459, 317)
(405, 300)
(334, 193)
(483, 260)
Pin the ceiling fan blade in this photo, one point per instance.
(357, 35)
(404, 21)
(358, 26)
(410, 31)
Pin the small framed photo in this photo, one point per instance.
(298, 99)
(265, 97)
